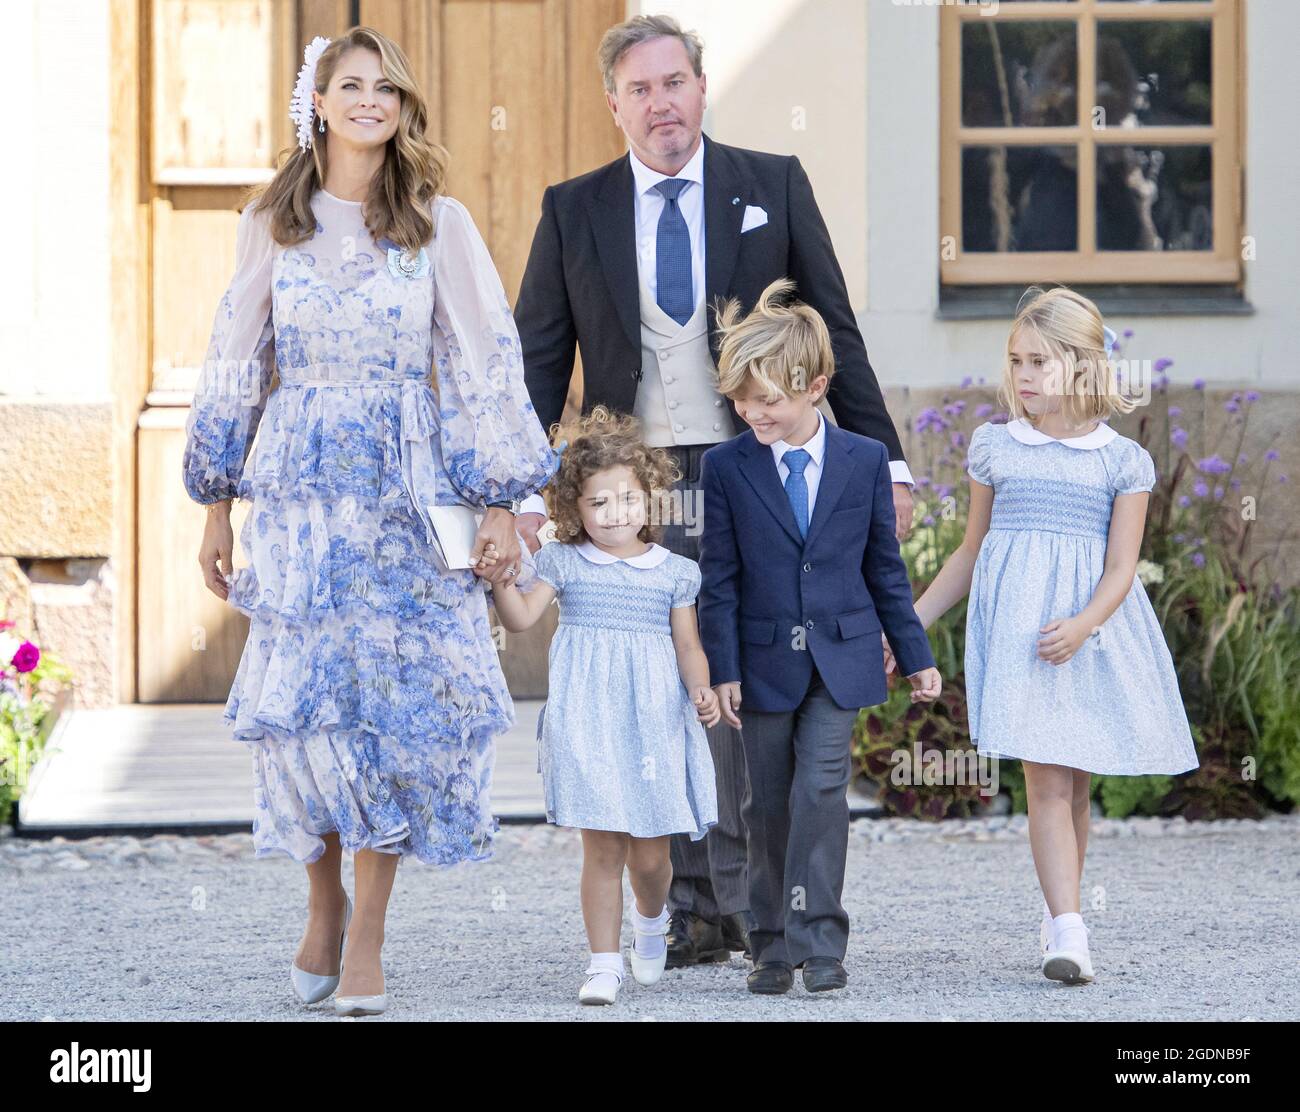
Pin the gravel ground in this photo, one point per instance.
(1187, 921)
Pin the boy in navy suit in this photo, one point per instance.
(800, 572)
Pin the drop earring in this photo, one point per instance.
(322, 125)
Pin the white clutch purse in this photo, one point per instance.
(454, 530)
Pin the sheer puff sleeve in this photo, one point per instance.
(235, 379)
(493, 445)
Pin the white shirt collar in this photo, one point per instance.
(1023, 431)
(646, 178)
(651, 558)
(816, 446)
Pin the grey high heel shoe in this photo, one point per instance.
(312, 987)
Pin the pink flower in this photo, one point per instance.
(25, 659)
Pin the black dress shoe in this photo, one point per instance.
(824, 974)
(693, 940)
(735, 932)
(771, 978)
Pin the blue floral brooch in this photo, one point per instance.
(404, 264)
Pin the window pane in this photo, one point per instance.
(1019, 198)
(1017, 74)
(1151, 74)
(1155, 199)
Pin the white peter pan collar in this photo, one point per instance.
(652, 557)
(1023, 431)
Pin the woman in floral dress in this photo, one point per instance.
(369, 690)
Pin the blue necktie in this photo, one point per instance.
(673, 289)
(796, 486)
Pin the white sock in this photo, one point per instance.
(611, 963)
(648, 934)
(1068, 932)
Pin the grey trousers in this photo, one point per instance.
(797, 815)
(709, 876)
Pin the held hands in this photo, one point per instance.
(926, 684)
(706, 705)
(902, 510)
(1062, 639)
(729, 702)
(496, 548)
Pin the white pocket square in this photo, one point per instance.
(755, 217)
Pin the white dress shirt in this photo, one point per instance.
(650, 206)
(812, 472)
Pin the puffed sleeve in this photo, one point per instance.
(687, 587)
(1134, 470)
(548, 564)
(235, 379)
(979, 454)
(493, 445)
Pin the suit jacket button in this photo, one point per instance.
(718, 402)
(809, 623)
(716, 426)
(807, 567)
(677, 428)
(672, 405)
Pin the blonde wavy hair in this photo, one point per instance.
(1070, 328)
(598, 441)
(782, 344)
(402, 191)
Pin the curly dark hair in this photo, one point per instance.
(596, 442)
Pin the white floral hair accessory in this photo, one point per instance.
(301, 109)
(1110, 339)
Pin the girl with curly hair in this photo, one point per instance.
(622, 749)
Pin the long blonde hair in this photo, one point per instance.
(401, 192)
(1071, 329)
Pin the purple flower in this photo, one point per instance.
(1179, 538)
(927, 520)
(1184, 501)
(1213, 465)
(930, 420)
(923, 481)
(1198, 560)
(1252, 395)
(1271, 455)
(1235, 484)
(1178, 438)
(1175, 411)
(955, 409)
(942, 490)
(1128, 333)
(1231, 406)
(1000, 418)
(958, 440)
(1199, 384)
(1200, 489)
(1218, 493)
(965, 382)
(1283, 479)
(983, 410)
(1161, 364)
(1243, 458)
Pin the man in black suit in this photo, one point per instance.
(626, 264)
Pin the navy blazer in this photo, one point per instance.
(771, 603)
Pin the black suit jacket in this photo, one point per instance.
(580, 286)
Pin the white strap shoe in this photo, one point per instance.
(1066, 958)
(312, 987)
(601, 986)
(645, 970)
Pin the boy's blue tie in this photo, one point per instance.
(796, 486)
(673, 282)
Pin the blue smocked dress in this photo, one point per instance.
(369, 689)
(619, 744)
(1114, 707)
